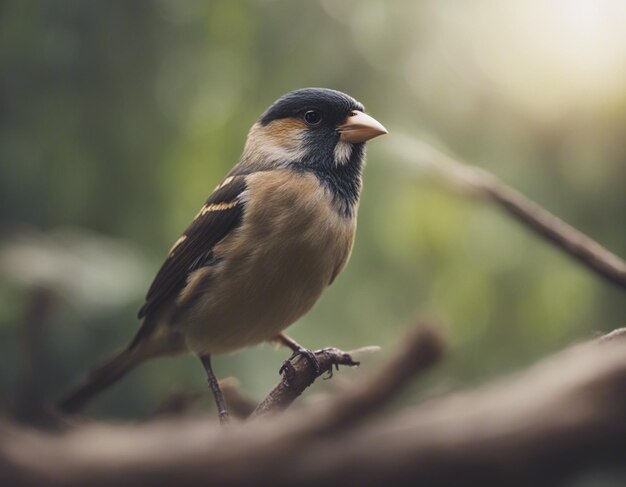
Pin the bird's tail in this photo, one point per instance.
(99, 378)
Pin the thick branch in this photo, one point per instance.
(476, 181)
(562, 416)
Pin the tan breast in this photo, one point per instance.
(290, 246)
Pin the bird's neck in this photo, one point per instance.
(343, 180)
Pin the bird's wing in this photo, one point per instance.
(221, 213)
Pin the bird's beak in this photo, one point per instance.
(359, 127)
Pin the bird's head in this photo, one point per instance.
(312, 128)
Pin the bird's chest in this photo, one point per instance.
(291, 236)
(295, 253)
(274, 267)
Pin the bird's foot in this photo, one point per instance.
(287, 367)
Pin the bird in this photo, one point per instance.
(271, 237)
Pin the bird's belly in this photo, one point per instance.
(254, 297)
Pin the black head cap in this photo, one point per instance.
(335, 105)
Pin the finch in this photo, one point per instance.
(270, 238)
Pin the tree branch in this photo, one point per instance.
(478, 182)
(563, 416)
(302, 375)
(570, 240)
(420, 349)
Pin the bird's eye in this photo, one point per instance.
(312, 117)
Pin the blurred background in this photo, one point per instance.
(118, 118)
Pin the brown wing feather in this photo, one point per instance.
(221, 213)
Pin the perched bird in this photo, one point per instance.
(272, 236)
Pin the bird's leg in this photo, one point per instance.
(215, 389)
(298, 350)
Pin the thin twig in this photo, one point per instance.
(563, 235)
(302, 375)
(478, 182)
(419, 350)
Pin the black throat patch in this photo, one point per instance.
(343, 180)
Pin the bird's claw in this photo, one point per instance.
(287, 367)
(289, 372)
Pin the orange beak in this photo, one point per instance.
(359, 127)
